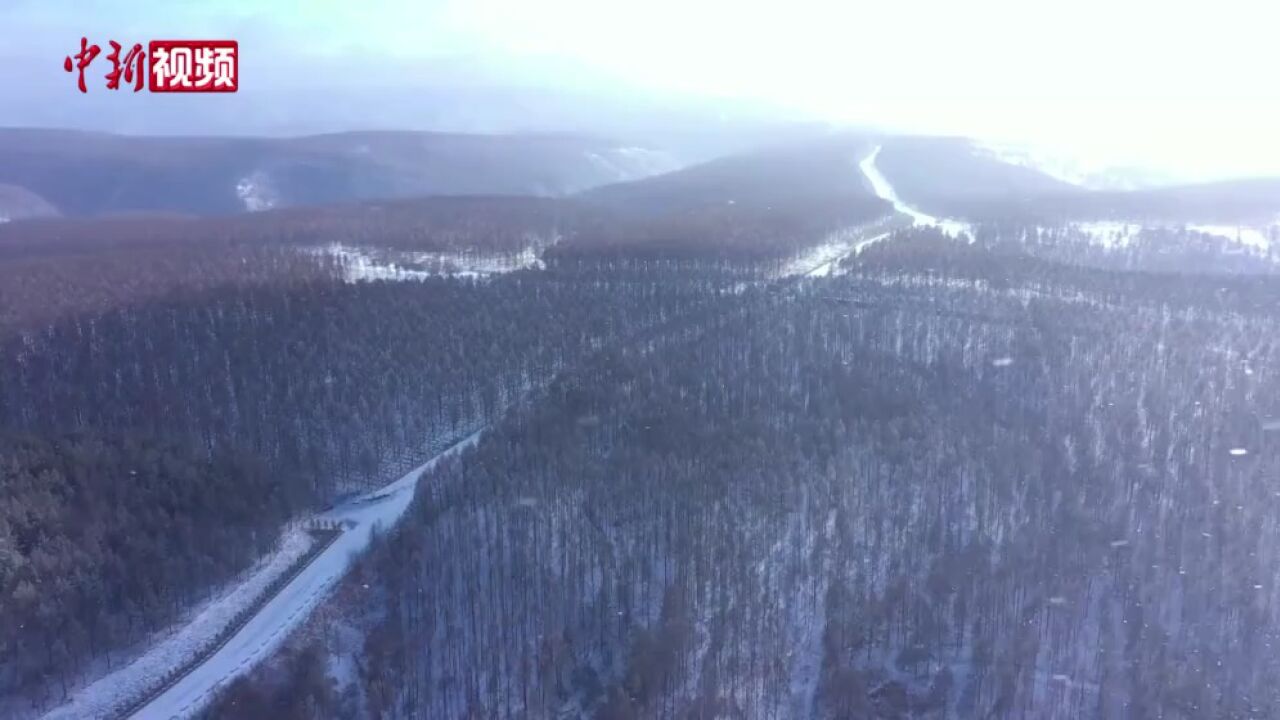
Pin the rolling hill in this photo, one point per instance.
(771, 202)
(90, 174)
(939, 173)
(955, 177)
(774, 175)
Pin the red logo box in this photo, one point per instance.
(182, 66)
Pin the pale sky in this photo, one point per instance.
(1189, 86)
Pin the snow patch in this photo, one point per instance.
(1113, 235)
(255, 192)
(622, 164)
(346, 642)
(1107, 234)
(1250, 237)
(648, 162)
(364, 264)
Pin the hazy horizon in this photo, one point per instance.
(1132, 84)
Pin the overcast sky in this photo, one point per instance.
(1191, 86)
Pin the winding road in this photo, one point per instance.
(880, 185)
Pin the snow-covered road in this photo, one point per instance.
(830, 256)
(265, 631)
(173, 647)
(880, 185)
(824, 259)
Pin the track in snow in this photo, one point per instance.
(263, 633)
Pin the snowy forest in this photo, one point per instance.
(753, 439)
(946, 483)
(232, 411)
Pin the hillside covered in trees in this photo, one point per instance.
(1029, 475)
(327, 386)
(946, 483)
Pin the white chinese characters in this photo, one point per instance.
(194, 66)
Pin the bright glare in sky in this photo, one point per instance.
(1189, 87)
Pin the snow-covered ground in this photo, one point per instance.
(176, 645)
(623, 164)
(255, 192)
(380, 508)
(1077, 169)
(360, 263)
(1116, 235)
(1251, 237)
(824, 259)
(880, 185)
(1108, 234)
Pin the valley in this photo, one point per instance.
(675, 360)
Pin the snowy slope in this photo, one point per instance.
(260, 637)
(1079, 170)
(623, 164)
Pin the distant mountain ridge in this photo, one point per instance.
(450, 191)
(771, 203)
(961, 178)
(1076, 170)
(88, 174)
(932, 169)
